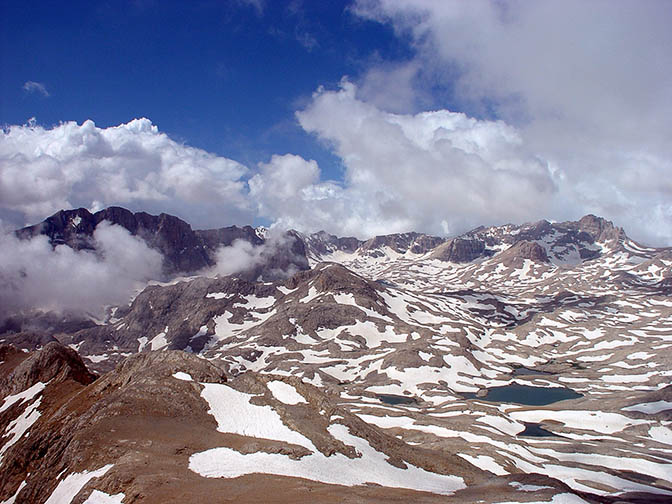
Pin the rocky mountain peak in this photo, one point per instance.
(600, 229)
(164, 364)
(54, 362)
(66, 227)
(323, 243)
(334, 278)
(183, 249)
(401, 243)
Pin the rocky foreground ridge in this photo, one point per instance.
(374, 373)
(143, 432)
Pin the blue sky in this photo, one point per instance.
(359, 117)
(225, 76)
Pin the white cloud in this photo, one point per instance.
(33, 275)
(36, 87)
(133, 165)
(391, 86)
(274, 258)
(584, 94)
(288, 190)
(550, 57)
(587, 85)
(439, 172)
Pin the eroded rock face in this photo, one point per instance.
(323, 243)
(599, 229)
(183, 249)
(118, 419)
(459, 250)
(54, 362)
(150, 367)
(401, 243)
(525, 250)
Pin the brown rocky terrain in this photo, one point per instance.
(147, 418)
(528, 361)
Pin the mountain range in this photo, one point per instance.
(516, 363)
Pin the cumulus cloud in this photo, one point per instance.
(588, 86)
(241, 255)
(274, 259)
(544, 57)
(134, 165)
(439, 172)
(390, 86)
(288, 190)
(33, 275)
(35, 87)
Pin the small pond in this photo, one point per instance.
(524, 394)
(395, 399)
(535, 430)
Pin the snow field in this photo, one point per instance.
(20, 425)
(650, 408)
(370, 467)
(597, 421)
(234, 414)
(485, 462)
(603, 337)
(564, 498)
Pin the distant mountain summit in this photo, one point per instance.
(513, 363)
(184, 250)
(559, 243)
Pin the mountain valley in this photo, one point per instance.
(518, 363)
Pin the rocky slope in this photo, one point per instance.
(169, 427)
(412, 343)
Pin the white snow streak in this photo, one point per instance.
(285, 393)
(68, 488)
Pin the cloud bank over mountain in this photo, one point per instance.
(588, 86)
(565, 110)
(35, 275)
(133, 164)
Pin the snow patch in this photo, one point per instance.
(370, 467)
(68, 488)
(234, 414)
(159, 341)
(181, 375)
(485, 462)
(26, 395)
(98, 497)
(650, 408)
(219, 295)
(285, 393)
